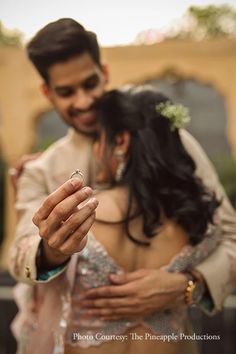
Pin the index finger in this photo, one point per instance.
(66, 189)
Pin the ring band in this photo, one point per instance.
(77, 174)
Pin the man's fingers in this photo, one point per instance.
(128, 277)
(109, 303)
(68, 188)
(118, 311)
(64, 209)
(108, 291)
(71, 247)
(16, 170)
(18, 167)
(78, 223)
(74, 243)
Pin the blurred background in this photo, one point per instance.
(185, 48)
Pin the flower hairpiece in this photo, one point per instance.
(177, 114)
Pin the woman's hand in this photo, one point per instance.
(16, 170)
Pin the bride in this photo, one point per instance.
(154, 214)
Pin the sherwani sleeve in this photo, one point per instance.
(218, 269)
(32, 191)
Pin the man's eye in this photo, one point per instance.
(65, 92)
(91, 83)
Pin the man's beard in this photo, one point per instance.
(72, 113)
(91, 134)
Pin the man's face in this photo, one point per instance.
(74, 87)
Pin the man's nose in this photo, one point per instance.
(82, 100)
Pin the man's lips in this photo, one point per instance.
(85, 118)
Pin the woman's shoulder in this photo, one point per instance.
(112, 204)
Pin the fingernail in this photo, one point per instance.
(75, 182)
(94, 201)
(88, 191)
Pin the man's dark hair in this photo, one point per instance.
(59, 41)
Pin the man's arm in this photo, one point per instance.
(219, 269)
(57, 223)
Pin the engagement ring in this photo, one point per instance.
(77, 174)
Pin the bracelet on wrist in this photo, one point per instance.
(195, 289)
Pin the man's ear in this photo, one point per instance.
(44, 88)
(106, 72)
(123, 142)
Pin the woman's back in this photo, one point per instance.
(112, 207)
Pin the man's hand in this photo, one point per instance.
(64, 222)
(135, 294)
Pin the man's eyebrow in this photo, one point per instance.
(72, 87)
(63, 87)
(92, 76)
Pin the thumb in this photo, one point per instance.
(124, 278)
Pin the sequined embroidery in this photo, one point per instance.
(93, 268)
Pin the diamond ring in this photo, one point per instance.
(77, 174)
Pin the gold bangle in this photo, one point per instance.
(188, 292)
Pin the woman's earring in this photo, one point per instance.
(120, 155)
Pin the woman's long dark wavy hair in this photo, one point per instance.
(160, 174)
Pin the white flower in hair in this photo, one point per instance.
(177, 114)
